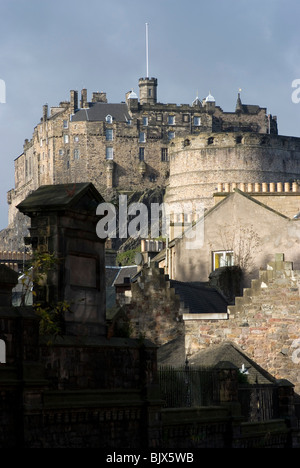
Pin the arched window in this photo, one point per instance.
(109, 119)
(2, 352)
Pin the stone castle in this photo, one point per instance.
(143, 144)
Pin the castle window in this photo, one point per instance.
(76, 153)
(141, 153)
(76, 139)
(186, 118)
(145, 121)
(164, 154)
(210, 140)
(171, 119)
(197, 121)
(223, 258)
(61, 152)
(150, 92)
(109, 152)
(129, 122)
(142, 137)
(66, 139)
(68, 164)
(65, 124)
(171, 135)
(109, 134)
(41, 142)
(159, 117)
(109, 119)
(152, 178)
(2, 352)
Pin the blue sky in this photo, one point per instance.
(49, 48)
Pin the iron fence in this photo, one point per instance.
(187, 387)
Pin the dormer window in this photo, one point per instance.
(109, 119)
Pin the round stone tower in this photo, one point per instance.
(198, 163)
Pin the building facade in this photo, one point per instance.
(123, 146)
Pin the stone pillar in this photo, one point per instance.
(264, 187)
(242, 187)
(286, 186)
(227, 187)
(64, 222)
(250, 188)
(272, 187)
(295, 187)
(220, 187)
(228, 386)
(257, 187)
(279, 187)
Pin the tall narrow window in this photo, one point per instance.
(109, 152)
(76, 153)
(142, 137)
(145, 121)
(109, 134)
(171, 135)
(171, 119)
(2, 352)
(164, 154)
(141, 154)
(66, 139)
(65, 124)
(197, 121)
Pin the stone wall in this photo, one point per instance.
(154, 309)
(264, 322)
(200, 162)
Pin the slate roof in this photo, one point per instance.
(99, 110)
(200, 298)
(125, 272)
(230, 352)
(173, 354)
(250, 108)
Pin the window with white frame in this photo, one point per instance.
(76, 153)
(65, 124)
(109, 119)
(66, 139)
(171, 135)
(109, 152)
(223, 258)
